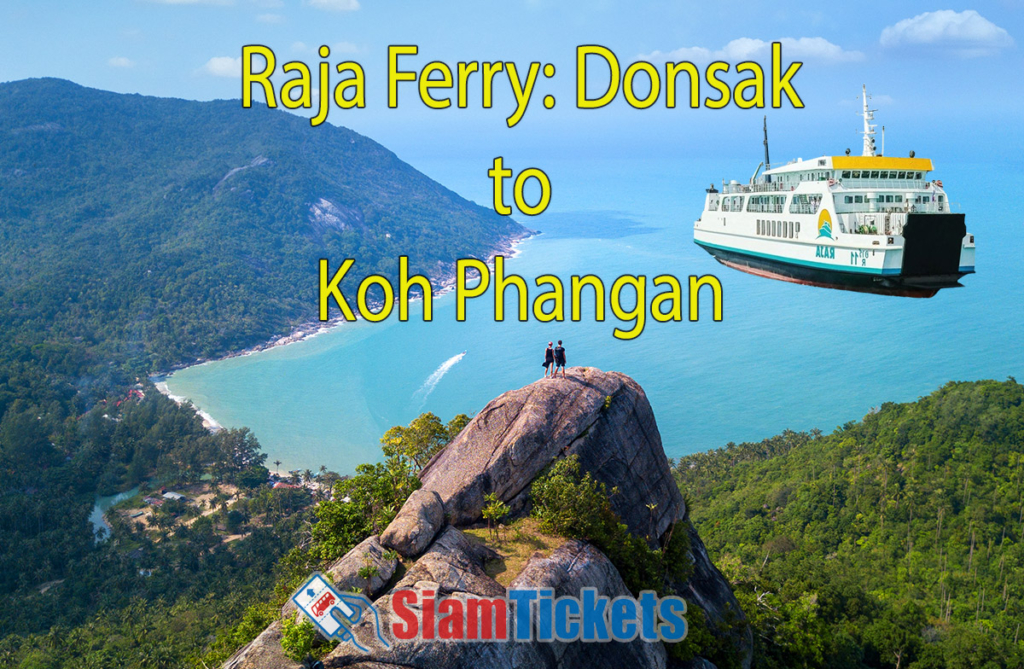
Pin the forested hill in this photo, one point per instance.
(154, 231)
(896, 541)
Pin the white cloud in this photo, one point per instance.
(746, 48)
(223, 66)
(966, 33)
(270, 18)
(120, 61)
(335, 5)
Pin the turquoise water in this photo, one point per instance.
(785, 356)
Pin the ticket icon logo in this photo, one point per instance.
(334, 613)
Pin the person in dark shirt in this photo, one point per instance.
(559, 360)
(549, 361)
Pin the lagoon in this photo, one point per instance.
(784, 356)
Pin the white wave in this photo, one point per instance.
(435, 377)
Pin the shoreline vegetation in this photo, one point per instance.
(309, 329)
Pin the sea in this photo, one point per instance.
(783, 357)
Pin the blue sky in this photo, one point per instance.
(943, 76)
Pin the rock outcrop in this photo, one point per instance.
(603, 417)
(416, 524)
(344, 573)
(454, 563)
(573, 566)
(264, 652)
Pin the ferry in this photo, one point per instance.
(870, 223)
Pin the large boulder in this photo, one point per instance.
(416, 524)
(454, 563)
(344, 573)
(603, 417)
(451, 567)
(263, 652)
(570, 568)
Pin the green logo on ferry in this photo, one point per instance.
(824, 224)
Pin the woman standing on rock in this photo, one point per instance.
(549, 361)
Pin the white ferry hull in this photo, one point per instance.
(933, 253)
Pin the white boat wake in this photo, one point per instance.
(435, 377)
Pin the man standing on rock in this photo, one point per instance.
(559, 360)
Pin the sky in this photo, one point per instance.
(944, 78)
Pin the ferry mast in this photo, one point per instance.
(869, 127)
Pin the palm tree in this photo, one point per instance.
(277, 465)
(307, 475)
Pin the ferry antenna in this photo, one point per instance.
(767, 161)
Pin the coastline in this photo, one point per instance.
(507, 246)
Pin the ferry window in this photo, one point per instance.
(846, 174)
(902, 175)
(941, 198)
(856, 174)
(888, 198)
(858, 199)
(789, 229)
(874, 174)
(917, 175)
(892, 175)
(758, 226)
(848, 199)
(884, 175)
(899, 198)
(798, 227)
